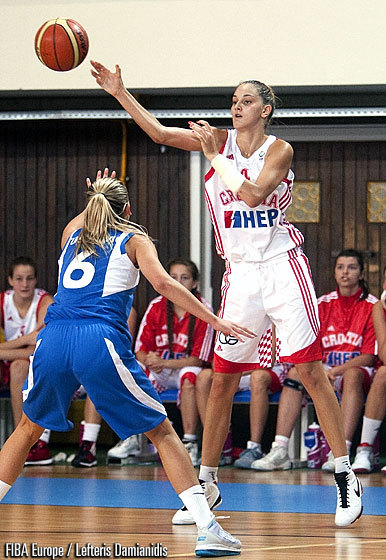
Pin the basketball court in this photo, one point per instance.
(105, 510)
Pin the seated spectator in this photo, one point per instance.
(375, 409)
(349, 347)
(173, 347)
(22, 312)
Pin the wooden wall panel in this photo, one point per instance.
(343, 170)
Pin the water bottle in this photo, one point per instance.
(324, 448)
(312, 443)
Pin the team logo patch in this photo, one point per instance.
(227, 339)
(250, 218)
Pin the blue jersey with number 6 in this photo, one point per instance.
(96, 288)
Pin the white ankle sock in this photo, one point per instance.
(4, 487)
(194, 499)
(208, 474)
(254, 445)
(342, 464)
(91, 431)
(370, 430)
(189, 437)
(282, 440)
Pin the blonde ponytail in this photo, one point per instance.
(105, 211)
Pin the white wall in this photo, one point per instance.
(203, 43)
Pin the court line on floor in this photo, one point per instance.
(286, 547)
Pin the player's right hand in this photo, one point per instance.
(229, 328)
(109, 81)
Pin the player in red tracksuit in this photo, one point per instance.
(348, 340)
(174, 346)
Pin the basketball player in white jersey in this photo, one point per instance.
(22, 311)
(267, 278)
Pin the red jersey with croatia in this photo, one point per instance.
(346, 328)
(153, 337)
(153, 333)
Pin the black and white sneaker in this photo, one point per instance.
(349, 507)
(86, 456)
(213, 496)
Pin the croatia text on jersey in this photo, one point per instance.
(250, 218)
(349, 337)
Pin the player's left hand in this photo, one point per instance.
(99, 176)
(205, 133)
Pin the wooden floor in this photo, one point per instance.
(268, 536)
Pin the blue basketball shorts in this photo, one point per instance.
(97, 356)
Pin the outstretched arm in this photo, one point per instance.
(112, 83)
(142, 252)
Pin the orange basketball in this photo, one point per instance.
(61, 44)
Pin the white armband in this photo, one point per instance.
(228, 174)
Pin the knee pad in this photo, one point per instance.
(293, 384)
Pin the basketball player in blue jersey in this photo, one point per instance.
(267, 279)
(86, 342)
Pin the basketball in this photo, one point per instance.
(61, 44)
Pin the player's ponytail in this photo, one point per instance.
(104, 213)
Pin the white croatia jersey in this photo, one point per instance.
(95, 288)
(13, 325)
(243, 233)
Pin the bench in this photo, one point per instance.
(296, 448)
(170, 395)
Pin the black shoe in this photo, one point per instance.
(86, 456)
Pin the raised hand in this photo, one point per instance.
(99, 176)
(109, 81)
